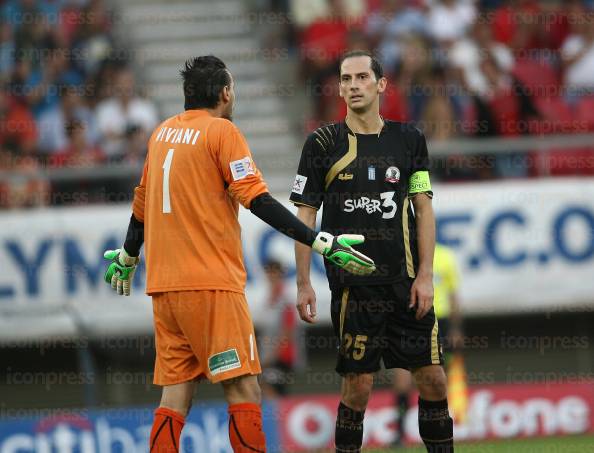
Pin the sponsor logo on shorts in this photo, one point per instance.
(223, 361)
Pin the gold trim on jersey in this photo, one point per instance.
(434, 344)
(410, 266)
(343, 162)
(299, 203)
(343, 307)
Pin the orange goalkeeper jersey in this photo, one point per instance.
(196, 171)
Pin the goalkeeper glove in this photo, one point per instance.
(120, 271)
(338, 250)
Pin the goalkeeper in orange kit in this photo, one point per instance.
(197, 171)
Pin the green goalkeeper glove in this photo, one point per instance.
(338, 250)
(120, 271)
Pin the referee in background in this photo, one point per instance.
(371, 176)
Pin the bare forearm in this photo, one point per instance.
(303, 252)
(425, 219)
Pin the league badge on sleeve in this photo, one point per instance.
(242, 168)
(299, 184)
(392, 175)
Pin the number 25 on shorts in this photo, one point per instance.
(357, 347)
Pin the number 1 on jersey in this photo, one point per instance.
(166, 168)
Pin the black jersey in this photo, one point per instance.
(365, 183)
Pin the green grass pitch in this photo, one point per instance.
(568, 444)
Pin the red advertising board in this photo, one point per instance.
(494, 412)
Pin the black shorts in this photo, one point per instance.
(374, 323)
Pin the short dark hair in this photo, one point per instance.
(376, 66)
(204, 77)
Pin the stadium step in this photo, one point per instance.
(249, 89)
(155, 13)
(227, 49)
(165, 34)
(203, 29)
(167, 72)
(264, 106)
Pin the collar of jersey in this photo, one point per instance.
(196, 112)
(349, 131)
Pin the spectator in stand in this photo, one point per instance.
(387, 26)
(528, 25)
(7, 52)
(78, 152)
(466, 56)
(577, 53)
(438, 117)
(52, 123)
(22, 186)
(92, 37)
(450, 19)
(122, 112)
(281, 340)
(18, 131)
(43, 86)
(412, 72)
(322, 41)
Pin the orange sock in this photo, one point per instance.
(166, 431)
(245, 428)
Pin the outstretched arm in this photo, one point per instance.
(337, 249)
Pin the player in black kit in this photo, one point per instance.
(372, 177)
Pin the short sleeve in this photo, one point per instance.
(234, 159)
(308, 187)
(419, 181)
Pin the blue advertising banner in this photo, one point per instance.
(121, 430)
(520, 246)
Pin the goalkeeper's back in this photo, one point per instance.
(197, 169)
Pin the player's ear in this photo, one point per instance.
(340, 89)
(226, 94)
(381, 84)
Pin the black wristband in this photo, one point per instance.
(134, 237)
(280, 218)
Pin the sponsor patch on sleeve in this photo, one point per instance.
(299, 184)
(223, 361)
(419, 182)
(242, 168)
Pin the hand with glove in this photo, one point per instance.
(338, 250)
(120, 271)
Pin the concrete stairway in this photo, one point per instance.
(165, 34)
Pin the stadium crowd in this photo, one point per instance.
(67, 98)
(462, 68)
(458, 68)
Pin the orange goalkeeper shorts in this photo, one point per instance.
(203, 334)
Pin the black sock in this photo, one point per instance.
(349, 430)
(436, 427)
(401, 410)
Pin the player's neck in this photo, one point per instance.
(369, 122)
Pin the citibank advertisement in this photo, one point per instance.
(520, 246)
(119, 430)
(306, 423)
